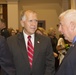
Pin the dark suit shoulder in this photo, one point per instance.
(41, 36)
(15, 38)
(12, 37)
(2, 38)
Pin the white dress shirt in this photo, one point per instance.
(26, 38)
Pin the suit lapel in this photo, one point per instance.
(36, 48)
(23, 47)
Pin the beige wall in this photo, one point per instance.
(12, 15)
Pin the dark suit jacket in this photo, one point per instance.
(68, 65)
(5, 33)
(43, 61)
(6, 61)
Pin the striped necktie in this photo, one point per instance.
(30, 50)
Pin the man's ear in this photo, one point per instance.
(72, 25)
(22, 23)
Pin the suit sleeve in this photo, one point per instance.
(50, 60)
(6, 61)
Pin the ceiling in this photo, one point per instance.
(39, 1)
(32, 1)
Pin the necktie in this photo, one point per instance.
(30, 50)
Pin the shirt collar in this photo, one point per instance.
(25, 35)
(74, 40)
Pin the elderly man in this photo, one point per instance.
(68, 29)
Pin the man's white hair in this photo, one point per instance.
(25, 13)
(70, 14)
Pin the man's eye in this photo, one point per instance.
(60, 24)
(36, 20)
(30, 20)
(33, 20)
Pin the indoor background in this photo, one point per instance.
(48, 11)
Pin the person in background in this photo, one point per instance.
(6, 61)
(13, 32)
(54, 40)
(41, 58)
(67, 27)
(3, 30)
(17, 31)
(61, 48)
(41, 31)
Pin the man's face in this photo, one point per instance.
(64, 28)
(30, 24)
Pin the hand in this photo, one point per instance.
(55, 54)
